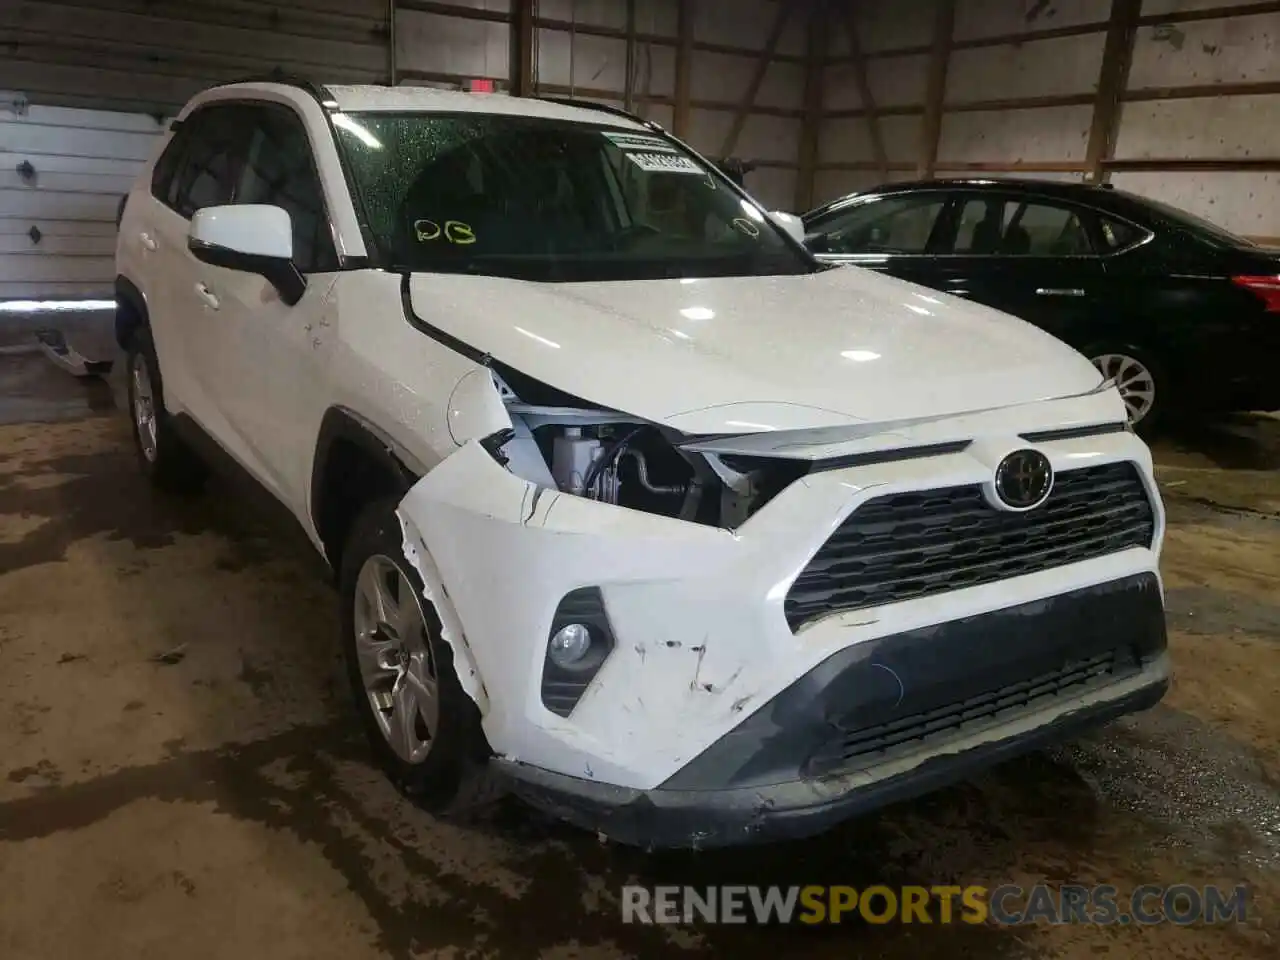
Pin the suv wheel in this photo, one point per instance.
(166, 460)
(1140, 380)
(423, 728)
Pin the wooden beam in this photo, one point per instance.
(1117, 56)
(1021, 103)
(753, 88)
(1211, 13)
(1248, 89)
(657, 39)
(896, 110)
(1011, 166)
(811, 128)
(861, 80)
(391, 42)
(1196, 164)
(453, 10)
(523, 43)
(966, 166)
(994, 40)
(936, 88)
(684, 68)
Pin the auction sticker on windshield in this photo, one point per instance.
(664, 163)
(639, 141)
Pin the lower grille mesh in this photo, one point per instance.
(876, 744)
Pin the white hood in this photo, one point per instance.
(737, 355)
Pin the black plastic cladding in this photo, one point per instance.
(910, 545)
(862, 747)
(563, 688)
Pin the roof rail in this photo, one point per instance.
(316, 90)
(584, 104)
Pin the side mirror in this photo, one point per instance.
(251, 237)
(790, 223)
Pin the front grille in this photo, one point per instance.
(909, 545)
(868, 746)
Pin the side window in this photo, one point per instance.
(279, 169)
(1118, 235)
(206, 175)
(167, 163)
(999, 226)
(900, 224)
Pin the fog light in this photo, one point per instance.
(579, 641)
(569, 646)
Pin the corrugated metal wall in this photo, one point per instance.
(62, 172)
(144, 56)
(89, 84)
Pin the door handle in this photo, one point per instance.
(207, 295)
(147, 241)
(1059, 292)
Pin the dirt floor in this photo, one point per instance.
(180, 775)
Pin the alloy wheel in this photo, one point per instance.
(395, 659)
(1133, 379)
(144, 407)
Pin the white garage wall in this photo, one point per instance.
(57, 221)
(1169, 117)
(893, 39)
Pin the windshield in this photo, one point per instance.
(550, 200)
(1197, 225)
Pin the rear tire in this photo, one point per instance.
(1141, 379)
(168, 463)
(422, 727)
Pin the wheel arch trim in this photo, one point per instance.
(344, 424)
(130, 294)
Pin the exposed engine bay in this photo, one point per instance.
(608, 456)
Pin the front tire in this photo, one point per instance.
(167, 462)
(422, 727)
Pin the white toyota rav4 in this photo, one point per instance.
(637, 510)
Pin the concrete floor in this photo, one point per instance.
(180, 775)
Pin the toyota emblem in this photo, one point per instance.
(1023, 480)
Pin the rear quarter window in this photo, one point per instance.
(1118, 235)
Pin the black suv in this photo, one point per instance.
(1181, 313)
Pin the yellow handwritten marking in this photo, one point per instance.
(426, 230)
(455, 231)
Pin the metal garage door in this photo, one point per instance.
(92, 81)
(62, 173)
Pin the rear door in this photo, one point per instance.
(204, 176)
(892, 233)
(1025, 254)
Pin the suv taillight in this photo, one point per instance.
(1266, 289)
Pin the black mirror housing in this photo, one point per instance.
(281, 273)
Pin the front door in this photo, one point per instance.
(269, 357)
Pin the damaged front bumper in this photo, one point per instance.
(904, 716)
(712, 721)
